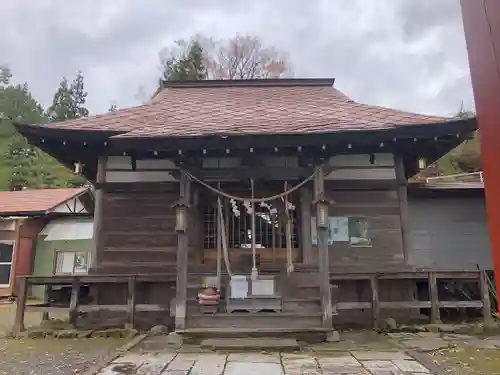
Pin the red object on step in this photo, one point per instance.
(209, 297)
(482, 33)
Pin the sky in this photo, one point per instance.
(405, 54)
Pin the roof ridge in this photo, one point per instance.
(272, 82)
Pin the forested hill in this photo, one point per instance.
(22, 165)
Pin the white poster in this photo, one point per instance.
(239, 286)
(338, 230)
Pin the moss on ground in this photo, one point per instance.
(469, 361)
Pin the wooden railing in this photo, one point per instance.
(473, 177)
(434, 303)
(432, 277)
(76, 282)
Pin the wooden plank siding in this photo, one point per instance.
(138, 229)
(138, 222)
(369, 198)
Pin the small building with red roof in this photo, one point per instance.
(23, 214)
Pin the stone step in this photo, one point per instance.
(278, 320)
(250, 343)
(305, 334)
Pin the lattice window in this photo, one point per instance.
(71, 262)
(270, 230)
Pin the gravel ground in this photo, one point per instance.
(51, 356)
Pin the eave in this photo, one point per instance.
(430, 141)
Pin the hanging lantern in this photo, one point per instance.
(181, 218)
(322, 214)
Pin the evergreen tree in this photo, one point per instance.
(24, 165)
(79, 96)
(62, 105)
(69, 100)
(5, 75)
(187, 65)
(22, 159)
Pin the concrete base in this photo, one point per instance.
(250, 343)
(333, 336)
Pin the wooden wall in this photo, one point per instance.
(138, 221)
(366, 186)
(381, 210)
(138, 229)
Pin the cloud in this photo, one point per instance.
(399, 53)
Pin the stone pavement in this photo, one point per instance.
(332, 363)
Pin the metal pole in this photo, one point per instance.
(219, 241)
(254, 274)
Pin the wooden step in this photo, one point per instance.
(280, 320)
(302, 305)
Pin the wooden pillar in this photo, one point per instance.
(434, 297)
(375, 301)
(131, 294)
(324, 265)
(308, 257)
(46, 300)
(182, 255)
(482, 34)
(73, 303)
(485, 296)
(402, 182)
(22, 294)
(98, 212)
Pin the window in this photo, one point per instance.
(6, 254)
(353, 230)
(358, 231)
(270, 226)
(69, 262)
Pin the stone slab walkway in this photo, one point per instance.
(345, 363)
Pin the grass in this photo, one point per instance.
(469, 361)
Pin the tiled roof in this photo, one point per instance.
(205, 108)
(35, 201)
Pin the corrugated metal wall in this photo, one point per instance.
(448, 233)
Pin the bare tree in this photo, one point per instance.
(244, 57)
(240, 57)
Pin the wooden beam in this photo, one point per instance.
(73, 303)
(403, 202)
(305, 213)
(323, 259)
(434, 297)
(485, 297)
(98, 212)
(350, 185)
(22, 294)
(182, 263)
(244, 173)
(131, 302)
